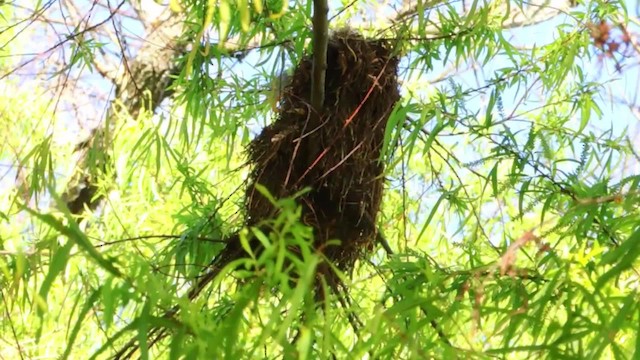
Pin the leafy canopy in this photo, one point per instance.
(511, 200)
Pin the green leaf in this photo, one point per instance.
(111, 340)
(245, 17)
(623, 257)
(225, 21)
(77, 237)
(394, 125)
(56, 267)
(493, 176)
(585, 113)
(628, 246)
(95, 295)
(432, 213)
(521, 194)
(637, 332)
(257, 5)
(143, 331)
(490, 105)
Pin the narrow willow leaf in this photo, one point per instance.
(304, 344)
(175, 6)
(432, 213)
(245, 17)
(490, 105)
(397, 117)
(630, 245)
(624, 255)
(56, 267)
(283, 10)
(108, 302)
(608, 331)
(265, 192)
(521, 194)
(636, 353)
(257, 5)
(585, 113)
(95, 295)
(112, 340)
(76, 236)
(225, 21)
(493, 176)
(143, 331)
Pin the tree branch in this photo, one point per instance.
(513, 16)
(535, 12)
(320, 43)
(151, 70)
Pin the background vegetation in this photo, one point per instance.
(511, 200)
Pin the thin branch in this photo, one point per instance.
(157, 333)
(163, 237)
(67, 39)
(320, 43)
(104, 66)
(532, 13)
(11, 326)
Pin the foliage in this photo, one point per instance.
(511, 206)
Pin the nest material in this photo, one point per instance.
(335, 153)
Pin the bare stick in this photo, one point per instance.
(320, 43)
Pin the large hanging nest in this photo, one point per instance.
(335, 153)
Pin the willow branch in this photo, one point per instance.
(512, 16)
(320, 43)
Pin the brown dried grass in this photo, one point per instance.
(335, 153)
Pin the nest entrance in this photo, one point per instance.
(335, 153)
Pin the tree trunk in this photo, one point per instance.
(150, 73)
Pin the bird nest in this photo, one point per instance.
(335, 153)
